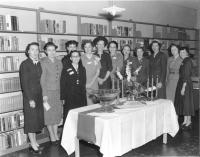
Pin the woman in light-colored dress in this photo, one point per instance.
(92, 65)
(173, 66)
(50, 81)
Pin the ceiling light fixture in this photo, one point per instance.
(113, 9)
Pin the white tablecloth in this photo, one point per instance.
(125, 129)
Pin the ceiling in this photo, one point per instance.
(194, 4)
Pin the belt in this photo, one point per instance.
(173, 72)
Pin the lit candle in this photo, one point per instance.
(118, 84)
(122, 88)
(113, 83)
(152, 88)
(147, 86)
(156, 86)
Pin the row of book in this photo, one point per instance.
(10, 102)
(12, 139)
(8, 22)
(11, 121)
(9, 43)
(170, 32)
(9, 84)
(59, 42)
(52, 26)
(122, 31)
(94, 29)
(9, 63)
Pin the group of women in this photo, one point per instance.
(49, 83)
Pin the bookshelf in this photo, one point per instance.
(47, 25)
(15, 34)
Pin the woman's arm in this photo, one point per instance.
(43, 81)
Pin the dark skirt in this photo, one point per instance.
(184, 103)
(33, 117)
(76, 98)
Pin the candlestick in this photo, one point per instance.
(147, 86)
(122, 88)
(156, 86)
(113, 83)
(152, 88)
(117, 83)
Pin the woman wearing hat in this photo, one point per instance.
(30, 74)
(106, 63)
(158, 68)
(50, 81)
(184, 98)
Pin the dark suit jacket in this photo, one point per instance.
(158, 67)
(144, 71)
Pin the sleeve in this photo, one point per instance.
(187, 70)
(43, 79)
(167, 74)
(24, 80)
(109, 63)
(63, 84)
(163, 68)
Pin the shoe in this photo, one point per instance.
(189, 127)
(53, 142)
(35, 151)
(182, 126)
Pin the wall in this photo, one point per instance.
(144, 11)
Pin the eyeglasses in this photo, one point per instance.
(75, 56)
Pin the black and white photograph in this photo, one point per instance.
(99, 78)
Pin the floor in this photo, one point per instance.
(185, 143)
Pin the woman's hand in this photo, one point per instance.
(100, 80)
(183, 91)
(45, 98)
(32, 103)
(159, 85)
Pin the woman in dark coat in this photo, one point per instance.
(158, 68)
(184, 97)
(30, 74)
(73, 84)
(142, 64)
(106, 63)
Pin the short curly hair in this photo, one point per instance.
(28, 47)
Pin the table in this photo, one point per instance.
(124, 129)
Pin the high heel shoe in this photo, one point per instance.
(35, 151)
(188, 127)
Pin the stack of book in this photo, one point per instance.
(8, 22)
(11, 102)
(94, 29)
(59, 42)
(52, 26)
(9, 43)
(122, 31)
(11, 121)
(9, 84)
(170, 32)
(12, 139)
(122, 42)
(9, 63)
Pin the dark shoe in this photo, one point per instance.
(53, 142)
(182, 126)
(189, 127)
(35, 151)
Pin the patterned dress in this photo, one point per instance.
(173, 66)
(92, 65)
